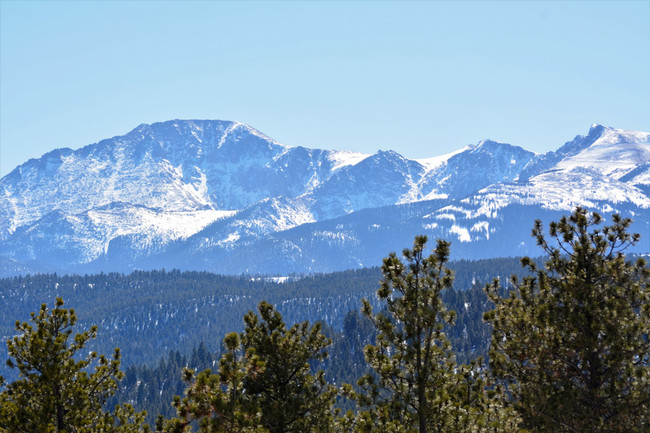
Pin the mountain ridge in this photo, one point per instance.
(207, 189)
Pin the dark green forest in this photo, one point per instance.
(150, 313)
(164, 321)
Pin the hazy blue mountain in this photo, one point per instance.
(222, 196)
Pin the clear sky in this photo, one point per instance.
(422, 78)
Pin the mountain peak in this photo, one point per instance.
(604, 150)
(187, 126)
(487, 143)
(600, 127)
(491, 146)
(596, 130)
(390, 154)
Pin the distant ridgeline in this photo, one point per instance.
(202, 195)
(148, 314)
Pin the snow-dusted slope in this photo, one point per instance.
(615, 153)
(609, 151)
(219, 195)
(474, 216)
(176, 166)
(474, 168)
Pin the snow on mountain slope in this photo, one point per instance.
(205, 193)
(433, 163)
(138, 169)
(474, 168)
(606, 150)
(363, 238)
(344, 158)
(388, 178)
(90, 233)
(382, 179)
(64, 181)
(555, 190)
(639, 177)
(262, 218)
(615, 153)
(175, 166)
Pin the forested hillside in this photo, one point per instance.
(152, 386)
(148, 314)
(164, 321)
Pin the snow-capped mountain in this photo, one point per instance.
(222, 196)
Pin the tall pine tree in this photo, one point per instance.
(292, 398)
(416, 385)
(56, 390)
(572, 340)
(218, 402)
(265, 382)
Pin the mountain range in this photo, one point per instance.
(221, 196)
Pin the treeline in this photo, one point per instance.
(570, 352)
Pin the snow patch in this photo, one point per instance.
(342, 158)
(446, 216)
(434, 195)
(227, 132)
(436, 161)
(230, 239)
(482, 226)
(461, 232)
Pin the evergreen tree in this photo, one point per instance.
(572, 340)
(264, 383)
(416, 385)
(291, 398)
(218, 402)
(56, 391)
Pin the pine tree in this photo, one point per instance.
(572, 341)
(218, 402)
(416, 385)
(56, 390)
(264, 383)
(291, 398)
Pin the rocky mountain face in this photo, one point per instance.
(222, 196)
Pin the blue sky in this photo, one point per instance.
(422, 78)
